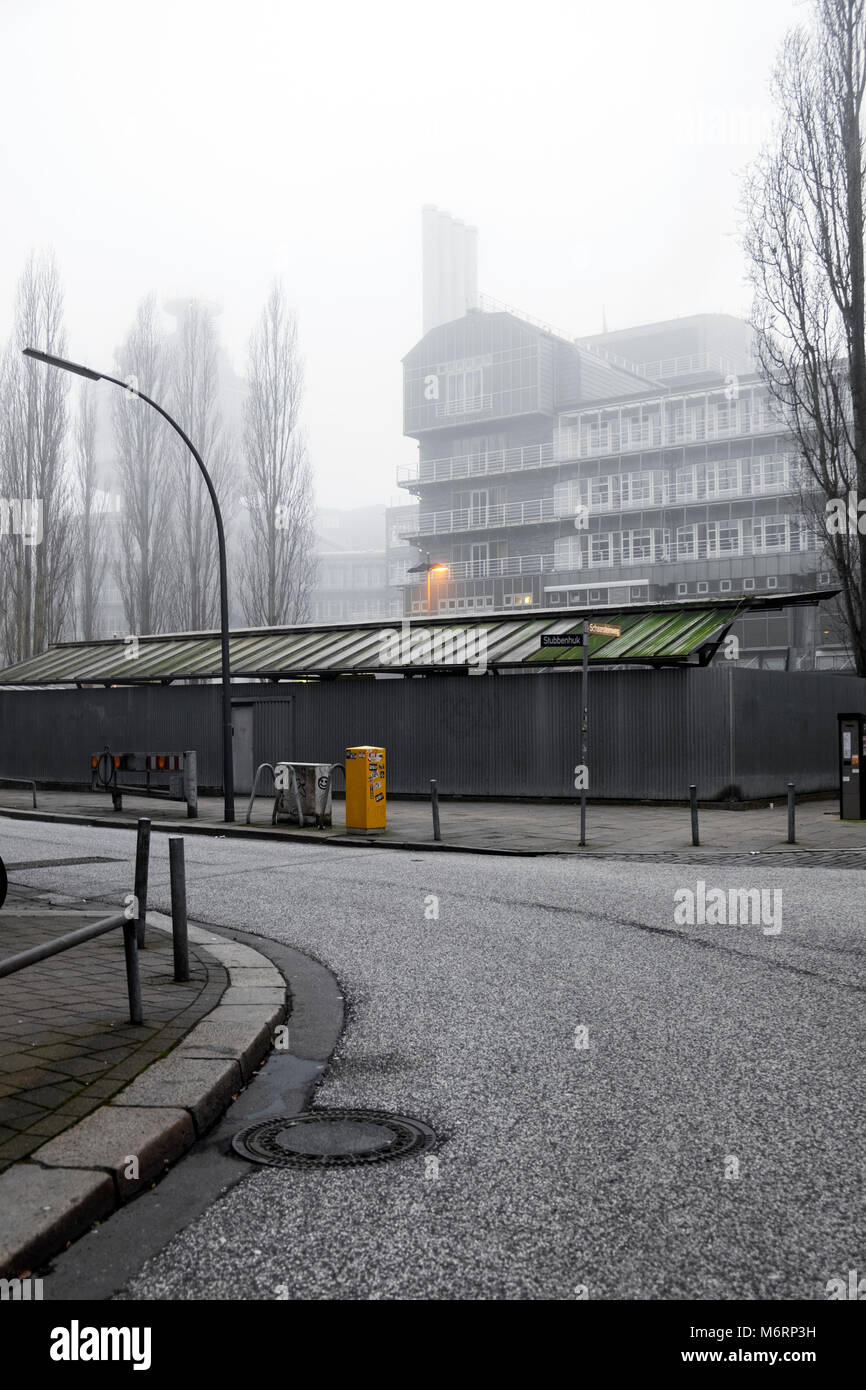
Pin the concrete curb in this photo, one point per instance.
(252, 832)
(91, 1169)
(255, 832)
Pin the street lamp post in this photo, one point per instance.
(437, 567)
(228, 770)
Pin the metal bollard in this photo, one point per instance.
(178, 908)
(142, 859)
(693, 799)
(133, 979)
(434, 801)
(791, 814)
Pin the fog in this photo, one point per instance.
(203, 149)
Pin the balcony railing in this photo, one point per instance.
(689, 365)
(498, 569)
(446, 470)
(572, 444)
(674, 553)
(514, 565)
(481, 518)
(465, 405)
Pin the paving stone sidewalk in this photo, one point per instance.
(494, 826)
(66, 1043)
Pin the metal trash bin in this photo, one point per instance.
(303, 793)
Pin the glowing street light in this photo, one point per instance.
(437, 567)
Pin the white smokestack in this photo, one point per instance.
(450, 261)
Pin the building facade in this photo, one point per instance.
(641, 466)
(352, 567)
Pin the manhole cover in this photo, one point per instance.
(333, 1139)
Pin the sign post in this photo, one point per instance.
(584, 730)
(581, 639)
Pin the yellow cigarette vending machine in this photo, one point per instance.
(365, 790)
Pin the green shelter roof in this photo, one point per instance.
(655, 635)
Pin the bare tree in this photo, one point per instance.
(277, 565)
(90, 528)
(36, 532)
(195, 382)
(145, 459)
(804, 219)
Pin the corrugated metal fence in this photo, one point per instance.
(733, 732)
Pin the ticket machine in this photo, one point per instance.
(852, 766)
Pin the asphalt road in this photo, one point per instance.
(628, 1107)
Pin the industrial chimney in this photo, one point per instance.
(450, 260)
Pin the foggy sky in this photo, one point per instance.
(203, 148)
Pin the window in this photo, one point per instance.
(566, 553)
(686, 542)
(771, 533)
(725, 586)
(682, 590)
(703, 587)
(478, 561)
(636, 593)
(464, 390)
(636, 546)
(772, 582)
(771, 473)
(567, 497)
(686, 485)
(720, 538)
(748, 584)
(599, 548)
(478, 508)
(635, 488)
(600, 493)
(723, 479)
(823, 578)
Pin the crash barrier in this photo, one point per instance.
(130, 921)
(127, 921)
(113, 772)
(20, 782)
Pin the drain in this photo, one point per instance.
(333, 1139)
